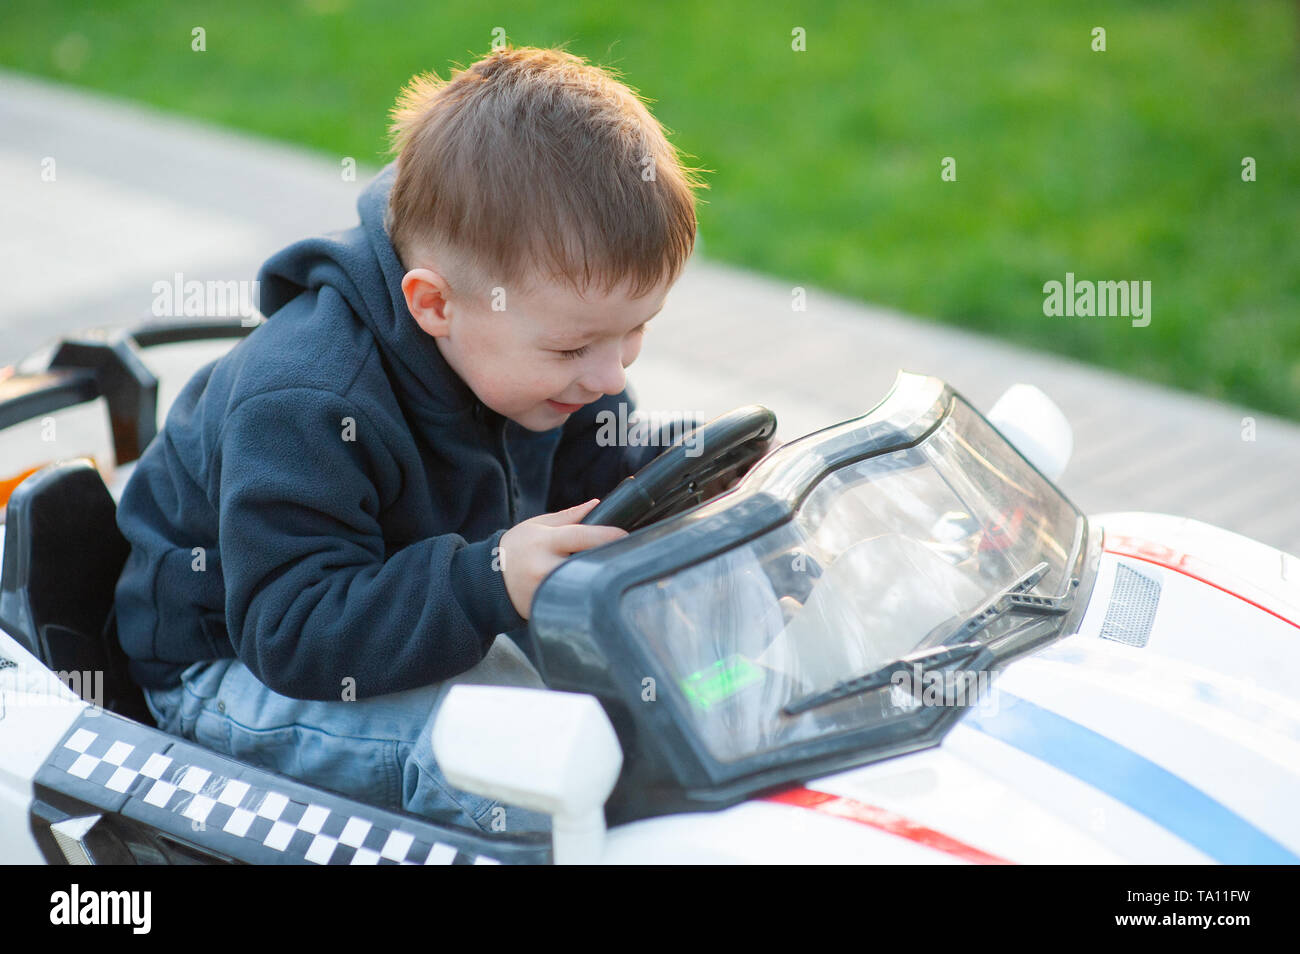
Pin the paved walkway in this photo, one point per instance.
(140, 196)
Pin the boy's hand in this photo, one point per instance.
(532, 549)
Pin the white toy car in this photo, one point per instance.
(895, 640)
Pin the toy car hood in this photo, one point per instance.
(1167, 727)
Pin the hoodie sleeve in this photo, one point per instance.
(312, 596)
(596, 451)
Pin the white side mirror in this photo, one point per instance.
(1029, 419)
(551, 752)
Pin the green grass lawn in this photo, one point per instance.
(1124, 164)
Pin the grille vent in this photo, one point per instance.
(1133, 602)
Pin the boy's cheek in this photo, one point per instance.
(516, 388)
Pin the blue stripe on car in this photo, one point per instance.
(1129, 778)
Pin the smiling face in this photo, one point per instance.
(543, 356)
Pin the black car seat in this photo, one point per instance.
(63, 554)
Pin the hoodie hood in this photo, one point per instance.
(362, 266)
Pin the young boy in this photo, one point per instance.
(342, 513)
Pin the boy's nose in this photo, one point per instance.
(607, 378)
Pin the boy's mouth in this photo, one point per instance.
(564, 408)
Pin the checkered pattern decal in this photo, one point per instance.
(145, 773)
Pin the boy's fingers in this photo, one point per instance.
(575, 538)
(564, 517)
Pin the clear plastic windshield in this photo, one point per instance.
(880, 558)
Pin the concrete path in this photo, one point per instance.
(139, 196)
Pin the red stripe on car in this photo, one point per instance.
(874, 817)
(1171, 559)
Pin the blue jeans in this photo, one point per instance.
(377, 750)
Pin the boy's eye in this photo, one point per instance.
(579, 352)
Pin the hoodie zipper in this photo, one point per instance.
(511, 485)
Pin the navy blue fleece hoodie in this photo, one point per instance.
(324, 500)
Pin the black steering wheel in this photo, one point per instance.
(676, 479)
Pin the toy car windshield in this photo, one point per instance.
(838, 554)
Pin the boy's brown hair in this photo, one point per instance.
(532, 162)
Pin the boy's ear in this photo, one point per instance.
(426, 297)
